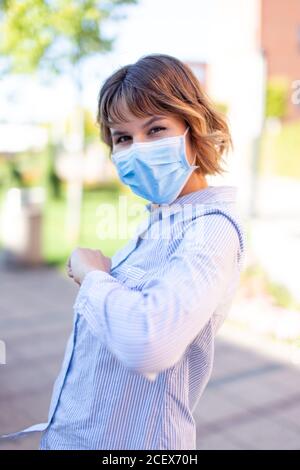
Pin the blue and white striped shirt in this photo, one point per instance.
(141, 351)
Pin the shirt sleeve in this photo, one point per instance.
(149, 330)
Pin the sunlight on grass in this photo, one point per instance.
(56, 248)
(280, 152)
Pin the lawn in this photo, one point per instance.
(56, 247)
(280, 151)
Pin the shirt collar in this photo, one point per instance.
(208, 195)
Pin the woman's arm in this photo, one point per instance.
(149, 330)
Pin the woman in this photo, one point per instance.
(141, 351)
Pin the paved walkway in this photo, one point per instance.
(252, 400)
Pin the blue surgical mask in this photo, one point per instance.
(156, 171)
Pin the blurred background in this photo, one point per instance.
(55, 173)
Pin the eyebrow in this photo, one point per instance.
(150, 121)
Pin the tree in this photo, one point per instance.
(56, 36)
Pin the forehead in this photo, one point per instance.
(120, 114)
(137, 121)
(127, 118)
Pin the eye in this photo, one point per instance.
(160, 128)
(119, 139)
(157, 128)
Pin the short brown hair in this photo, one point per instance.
(162, 84)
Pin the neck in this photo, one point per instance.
(194, 183)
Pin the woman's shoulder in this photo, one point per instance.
(214, 227)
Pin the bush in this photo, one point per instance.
(280, 151)
(277, 92)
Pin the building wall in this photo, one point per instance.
(235, 77)
(280, 41)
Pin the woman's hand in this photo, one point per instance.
(84, 260)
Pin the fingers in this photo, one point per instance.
(70, 272)
(69, 269)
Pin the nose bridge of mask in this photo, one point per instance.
(156, 144)
(171, 140)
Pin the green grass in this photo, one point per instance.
(280, 152)
(281, 295)
(56, 247)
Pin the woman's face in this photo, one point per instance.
(149, 129)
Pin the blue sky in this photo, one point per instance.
(176, 27)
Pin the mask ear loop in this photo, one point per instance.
(185, 132)
(193, 164)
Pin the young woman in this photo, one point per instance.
(142, 347)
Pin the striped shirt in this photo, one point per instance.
(142, 346)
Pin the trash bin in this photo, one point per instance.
(21, 225)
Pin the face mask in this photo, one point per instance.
(156, 171)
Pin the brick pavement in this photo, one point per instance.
(251, 402)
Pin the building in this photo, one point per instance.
(280, 43)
